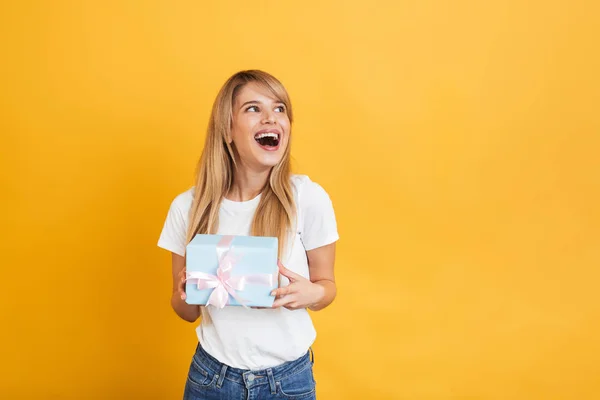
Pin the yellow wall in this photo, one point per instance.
(458, 140)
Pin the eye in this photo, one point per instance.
(252, 109)
(280, 108)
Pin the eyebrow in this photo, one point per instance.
(248, 102)
(258, 102)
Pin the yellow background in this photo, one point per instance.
(458, 140)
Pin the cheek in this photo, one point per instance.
(242, 142)
(284, 122)
(240, 132)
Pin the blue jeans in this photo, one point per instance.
(208, 379)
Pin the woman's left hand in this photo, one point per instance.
(300, 293)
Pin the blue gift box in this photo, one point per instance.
(231, 270)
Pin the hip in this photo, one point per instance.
(208, 378)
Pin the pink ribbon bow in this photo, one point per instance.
(223, 283)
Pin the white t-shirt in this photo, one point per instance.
(259, 338)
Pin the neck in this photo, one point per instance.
(247, 184)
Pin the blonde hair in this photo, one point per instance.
(275, 213)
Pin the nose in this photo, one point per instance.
(268, 117)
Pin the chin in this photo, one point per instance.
(269, 160)
(270, 163)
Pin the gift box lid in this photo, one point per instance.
(253, 253)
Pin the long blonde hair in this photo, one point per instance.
(275, 213)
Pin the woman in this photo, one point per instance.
(244, 187)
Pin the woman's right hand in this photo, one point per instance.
(181, 284)
(188, 312)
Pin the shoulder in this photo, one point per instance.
(183, 201)
(308, 192)
(318, 225)
(173, 234)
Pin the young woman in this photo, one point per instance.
(244, 187)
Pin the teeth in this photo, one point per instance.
(266, 134)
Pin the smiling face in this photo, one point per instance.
(261, 128)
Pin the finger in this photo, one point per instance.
(292, 276)
(284, 301)
(282, 291)
(182, 285)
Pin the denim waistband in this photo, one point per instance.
(253, 377)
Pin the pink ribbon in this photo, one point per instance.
(223, 283)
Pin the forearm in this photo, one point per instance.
(188, 312)
(329, 292)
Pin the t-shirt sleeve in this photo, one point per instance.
(319, 222)
(173, 235)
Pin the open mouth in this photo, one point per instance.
(267, 140)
